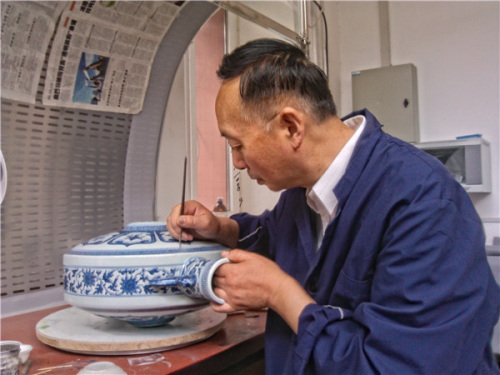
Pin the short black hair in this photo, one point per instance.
(270, 69)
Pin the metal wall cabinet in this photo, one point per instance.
(391, 94)
(468, 160)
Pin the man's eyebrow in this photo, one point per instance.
(225, 135)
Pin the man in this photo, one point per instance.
(372, 261)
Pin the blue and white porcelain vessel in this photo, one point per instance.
(140, 275)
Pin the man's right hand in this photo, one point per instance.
(198, 222)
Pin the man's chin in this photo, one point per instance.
(264, 183)
(270, 187)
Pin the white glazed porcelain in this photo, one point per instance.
(24, 349)
(104, 368)
(123, 275)
(3, 177)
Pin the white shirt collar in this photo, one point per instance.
(320, 197)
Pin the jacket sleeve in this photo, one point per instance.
(256, 231)
(432, 304)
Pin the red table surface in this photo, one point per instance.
(241, 337)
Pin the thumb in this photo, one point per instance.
(188, 221)
(236, 255)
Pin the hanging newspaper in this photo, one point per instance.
(102, 54)
(26, 30)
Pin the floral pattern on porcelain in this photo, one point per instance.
(132, 238)
(139, 239)
(120, 282)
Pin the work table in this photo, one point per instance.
(235, 349)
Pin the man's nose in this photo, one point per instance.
(238, 160)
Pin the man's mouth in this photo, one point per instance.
(259, 180)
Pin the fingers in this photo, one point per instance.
(249, 281)
(172, 222)
(228, 287)
(188, 221)
(193, 212)
(237, 256)
(225, 308)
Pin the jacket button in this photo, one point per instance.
(313, 286)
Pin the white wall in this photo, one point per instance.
(455, 47)
(176, 142)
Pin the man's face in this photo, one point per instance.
(261, 152)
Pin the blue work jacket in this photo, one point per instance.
(401, 279)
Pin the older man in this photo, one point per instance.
(372, 261)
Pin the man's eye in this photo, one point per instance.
(235, 148)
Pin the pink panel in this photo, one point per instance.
(209, 49)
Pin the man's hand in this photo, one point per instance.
(252, 281)
(198, 222)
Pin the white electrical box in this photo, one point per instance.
(468, 160)
(391, 94)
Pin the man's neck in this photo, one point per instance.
(324, 143)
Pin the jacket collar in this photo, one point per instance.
(366, 143)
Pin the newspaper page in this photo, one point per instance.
(151, 17)
(27, 27)
(102, 54)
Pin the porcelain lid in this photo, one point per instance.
(141, 238)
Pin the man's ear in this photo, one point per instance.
(292, 123)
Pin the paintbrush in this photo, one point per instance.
(183, 197)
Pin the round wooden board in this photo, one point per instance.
(78, 331)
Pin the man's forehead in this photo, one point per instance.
(227, 107)
(230, 89)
